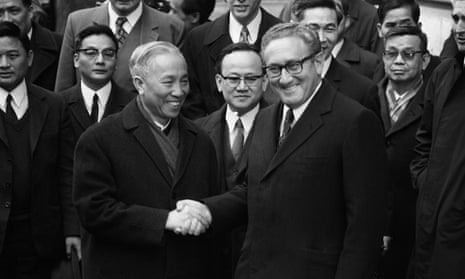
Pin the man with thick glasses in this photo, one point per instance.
(324, 17)
(438, 168)
(314, 192)
(96, 95)
(241, 80)
(401, 99)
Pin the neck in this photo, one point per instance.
(95, 85)
(246, 21)
(404, 86)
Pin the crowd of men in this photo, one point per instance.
(143, 140)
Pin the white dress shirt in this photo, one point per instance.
(297, 111)
(129, 24)
(20, 102)
(247, 120)
(103, 96)
(235, 28)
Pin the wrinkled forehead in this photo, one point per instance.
(458, 7)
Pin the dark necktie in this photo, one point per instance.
(121, 34)
(238, 140)
(94, 111)
(287, 125)
(10, 113)
(244, 38)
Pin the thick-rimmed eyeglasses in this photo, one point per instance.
(92, 53)
(407, 55)
(234, 81)
(292, 67)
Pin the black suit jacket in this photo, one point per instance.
(123, 192)
(46, 46)
(80, 118)
(400, 142)
(363, 31)
(201, 49)
(316, 205)
(353, 85)
(362, 61)
(51, 145)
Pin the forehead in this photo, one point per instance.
(319, 15)
(458, 8)
(403, 42)
(241, 59)
(167, 64)
(401, 13)
(11, 3)
(98, 40)
(8, 43)
(285, 49)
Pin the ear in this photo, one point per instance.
(219, 82)
(426, 59)
(30, 57)
(138, 84)
(378, 26)
(76, 60)
(194, 18)
(318, 62)
(265, 83)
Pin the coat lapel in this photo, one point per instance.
(413, 112)
(3, 137)
(38, 112)
(116, 102)
(134, 121)
(334, 74)
(310, 121)
(77, 107)
(187, 136)
(149, 27)
(218, 37)
(45, 51)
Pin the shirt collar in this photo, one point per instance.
(19, 94)
(132, 18)
(235, 28)
(29, 33)
(325, 66)
(337, 48)
(247, 119)
(300, 109)
(88, 94)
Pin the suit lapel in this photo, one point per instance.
(413, 111)
(187, 136)
(77, 107)
(38, 110)
(334, 74)
(348, 53)
(115, 102)
(134, 121)
(310, 121)
(149, 27)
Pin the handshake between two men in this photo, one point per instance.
(189, 218)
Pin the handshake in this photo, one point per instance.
(189, 218)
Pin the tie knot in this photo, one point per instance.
(9, 98)
(120, 21)
(244, 34)
(289, 116)
(95, 98)
(238, 124)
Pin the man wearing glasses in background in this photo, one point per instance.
(96, 95)
(241, 81)
(314, 193)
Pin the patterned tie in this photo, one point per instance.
(10, 113)
(121, 34)
(94, 111)
(287, 125)
(238, 140)
(244, 38)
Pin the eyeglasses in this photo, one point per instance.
(292, 67)
(456, 18)
(407, 55)
(234, 81)
(92, 53)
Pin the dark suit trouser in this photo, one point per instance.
(19, 259)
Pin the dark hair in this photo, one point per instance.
(203, 7)
(27, 3)
(299, 6)
(389, 5)
(95, 29)
(8, 29)
(409, 30)
(233, 48)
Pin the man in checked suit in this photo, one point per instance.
(132, 21)
(315, 189)
(245, 21)
(241, 81)
(96, 96)
(37, 219)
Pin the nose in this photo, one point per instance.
(460, 27)
(285, 77)
(321, 35)
(4, 63)
(242, 85)
(99, 59)
(399, 59)
(179, 89)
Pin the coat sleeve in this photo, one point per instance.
(100, 210)
(66, 75)
(365, 193)
(423, 138)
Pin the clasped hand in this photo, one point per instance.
(189, 218)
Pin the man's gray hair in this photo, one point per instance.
(292, 29)
(141, 57)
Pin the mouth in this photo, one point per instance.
(241, 8)
(6, 74)
(97, 71)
